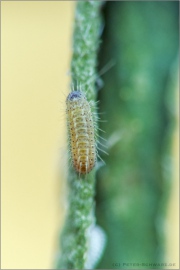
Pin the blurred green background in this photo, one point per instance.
(137, 191)
(139, 100)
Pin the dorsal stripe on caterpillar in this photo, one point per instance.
(81, 132)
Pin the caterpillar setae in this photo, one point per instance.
(81, 132)
(82, 129)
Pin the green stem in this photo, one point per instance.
(74, 240)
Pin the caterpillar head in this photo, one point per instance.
(75, 95)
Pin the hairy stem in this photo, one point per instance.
(74, 240)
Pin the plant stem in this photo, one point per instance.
(74, 240)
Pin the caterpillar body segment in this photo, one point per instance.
(81, 132)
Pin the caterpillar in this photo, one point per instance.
(81, 132)
(82, 129)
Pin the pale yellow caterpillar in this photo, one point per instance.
(81, 132)
(82, 129)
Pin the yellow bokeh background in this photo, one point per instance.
(36, 52)
(172, 221)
